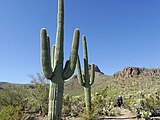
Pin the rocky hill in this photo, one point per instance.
(128, 72)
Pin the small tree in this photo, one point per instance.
(40, 93)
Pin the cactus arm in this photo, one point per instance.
(80, 76)
(48, 44)
(53, 52)
(71, 63)
(67, 65)
(45, 54)
(92, 74)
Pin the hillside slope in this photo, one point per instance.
(72, 86)
(129, 79)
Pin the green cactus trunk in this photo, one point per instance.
(54, 70)
(55, 99)
(87, 91)
(86, 80)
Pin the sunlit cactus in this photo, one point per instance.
(53, 68)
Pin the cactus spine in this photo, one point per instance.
(54, 69)
(86, 80)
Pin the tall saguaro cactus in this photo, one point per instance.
(54, 69)
(86, 80)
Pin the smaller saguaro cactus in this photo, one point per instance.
(86, 80)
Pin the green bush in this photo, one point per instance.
(11, 103)
(89, 116)
(11, 112)
(103, 105)
(72, 106)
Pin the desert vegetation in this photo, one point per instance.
(31, 101)
(90, 95)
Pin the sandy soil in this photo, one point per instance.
(124, 114)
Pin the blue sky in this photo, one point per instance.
(119, 33)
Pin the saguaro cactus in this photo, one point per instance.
(54, 69)
(86, 80)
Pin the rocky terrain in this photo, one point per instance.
(128, 72)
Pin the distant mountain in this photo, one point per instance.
(128, 72)
(3, 84)
(96, 69)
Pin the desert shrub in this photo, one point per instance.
(17, 100)
(66, 110)
(142, 110)
(38, 101)
(12, 103)
(72, 106)
(152, 102)
(89, 116)
(144, 104)
(12, 96)
(103, 105)
(11, 112)
(128, 101)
